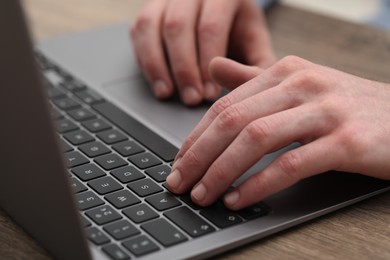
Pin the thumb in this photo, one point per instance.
(231, 74)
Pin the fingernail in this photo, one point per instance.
(174, 179)
(232, 198)
(160, 89)
(210, 91)
(199, 192)
(190, 95)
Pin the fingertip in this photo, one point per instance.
(161, 89)
(231, 74)
(174, 180)
(211, 91)
(215, 63)
(199, 192)
(231, 199)
(190, 96)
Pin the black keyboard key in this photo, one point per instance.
(186, 198)
(88, 172)
(221, 216)
(159, 173)
(110, 161)
(89, 96)
(111, 136)
(65, 146)
(56, 93)
(164, 232)
(138, 131)
(97, 236)
(145, 160)
(94, 149)
(191, 223)
(144, 187)
(78, 137)
(163, 201)
(52, 79)
(128, 148)
(103, 214)
(81, 114)
(127, 174)
(73, 85)
(66, 103)
(96, 125)
(115, 252)
(77, 185)
(105, 185)
(64, 75)
(122, 199)
(121, 229)
(65, 125)
(75, 158)
(55, 113)
(254, 211)
(84, 221)
(140, 213)
(140, 245)
(87, 200)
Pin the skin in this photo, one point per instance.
(342, 122)
(175, 40)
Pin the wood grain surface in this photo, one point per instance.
(361, 231)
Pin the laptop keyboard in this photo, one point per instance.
(118, 168)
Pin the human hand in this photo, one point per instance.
(175, 40)
(342, 122)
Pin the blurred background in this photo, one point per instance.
(50, 18)
(373, 12)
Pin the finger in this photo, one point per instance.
(250, 37)
(231, 74)
(214, 26)
(258, 138)
(268, 79)
(198, 157)
(310, 159)
(179, 36)
(149, 51)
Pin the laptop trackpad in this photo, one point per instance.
(171, 119)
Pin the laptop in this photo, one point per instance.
(86, 149)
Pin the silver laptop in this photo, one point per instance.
(86, 150)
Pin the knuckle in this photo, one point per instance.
(289, 163)
(330, 105)
(306, 80)
(332, 110)
(190, 140)
(142, 23)
(352, 142)
(221, 104)
(291, 59)
(209, 27)
(192, 158)
(173, 26)
(256, 132)
(260, 186)
(289, 64)
(230, 117)
(218, 173)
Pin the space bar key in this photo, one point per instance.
(138, 131)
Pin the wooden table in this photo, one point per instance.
(361, 231)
